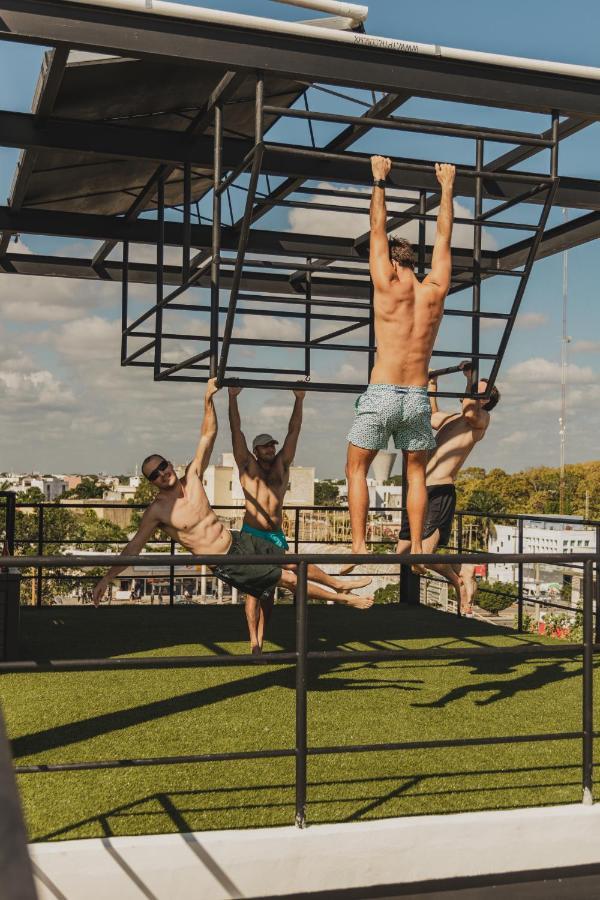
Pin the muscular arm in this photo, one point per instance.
(148, 526)
(288, 450)
(208, 432)
(241, 453)
(441, 260)
(379, 252)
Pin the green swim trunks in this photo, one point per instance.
(258, 581)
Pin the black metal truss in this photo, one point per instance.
(313, 280)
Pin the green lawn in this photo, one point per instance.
(70, 716)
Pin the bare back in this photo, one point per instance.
(186, 516)
(455, 441)
(407, 319)
(264, 492)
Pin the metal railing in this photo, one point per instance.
(302, 657)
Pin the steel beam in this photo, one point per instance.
(139, 35)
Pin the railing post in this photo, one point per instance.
(301, 740)
(588, 683)
(172, 577)
(296, 529)
(597, 629)
(520, 581)
(459, 549)
(11, 509)
(40, 550)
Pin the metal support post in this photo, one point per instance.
(371, 361)
(301, 719)
(172, 577)
(476, 304)
(555, 141)
(215, 266)
(124, 302)
(588, 683)
(11, 510)
(40, 547)
(187, 222)
(422, 232)
(160, 263)
(297, 530)
(520, 578)
(245, 227)
(597, 630)
(307, 321)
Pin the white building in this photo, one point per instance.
(223, 488)
(51, 486)
(539, 537)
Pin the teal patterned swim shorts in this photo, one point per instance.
(389, 410)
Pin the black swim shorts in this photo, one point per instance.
(440, 513)
(258, 581)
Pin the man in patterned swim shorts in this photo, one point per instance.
(408, 313)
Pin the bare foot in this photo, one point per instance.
(418, 569)
(352, 584)
(349, 567)
(359, 602)
(256, 650)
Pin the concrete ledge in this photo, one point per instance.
(271, 862)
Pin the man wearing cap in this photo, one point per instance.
(264, 476)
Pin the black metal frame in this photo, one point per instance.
(301, 292)
(302, 656)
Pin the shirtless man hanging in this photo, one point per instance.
(408, 313)
(457, 434)
(264, 476)
(182, 510)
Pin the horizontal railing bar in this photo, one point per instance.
(508, 204)
(405, 166)
(40, 768)
(397, 123)
(183, 365)
(139, 352)
(240, 169)
(213, 559)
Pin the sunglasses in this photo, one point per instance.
(157, 471)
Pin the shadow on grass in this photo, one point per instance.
(86, 632)
(183, 810)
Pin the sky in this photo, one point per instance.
(66, 405)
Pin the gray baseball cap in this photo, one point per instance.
(261, 439)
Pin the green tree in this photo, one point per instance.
(326, 493)
(88, 488)
(388, 594)
(486, 503)
(495, 596)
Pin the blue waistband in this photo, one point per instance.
(276, 537)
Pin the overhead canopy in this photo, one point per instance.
(140, 93)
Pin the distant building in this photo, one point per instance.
(223, 488)
(51, 486)
(123, 492)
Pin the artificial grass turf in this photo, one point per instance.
(71, 716)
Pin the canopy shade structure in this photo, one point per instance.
(146, 122)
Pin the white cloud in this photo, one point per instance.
(543, 371)
(347, 224)
(585, 347)
(516, 437)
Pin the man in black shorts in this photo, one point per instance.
(457, 434)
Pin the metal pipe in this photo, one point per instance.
(555, 143)
(40, 545)
(597, 630)
(124, 301)
(172, 576)
(422, 230)
(160, 273)
(237, 20)
(476, 303)
(588, 683)
(307, 319)
(245, 226)
(520, 578)
(187, 363)
(396, 123)
(352, 11)
(187, 222)
(11, 510)
(301, 718)
(215, 266)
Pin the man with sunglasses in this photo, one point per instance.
(264, 475)
(182, 510)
